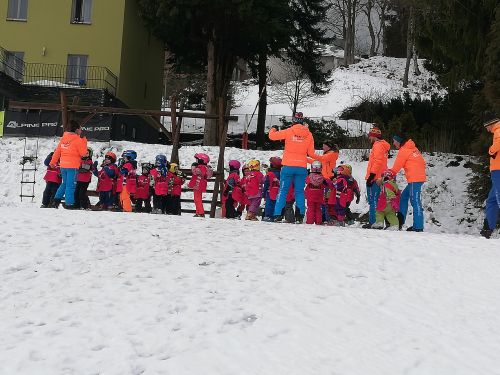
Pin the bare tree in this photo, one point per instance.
(381, 7)
(352, 9)
(367, 9)
(337, 19)
(290, 86)
(410, 39)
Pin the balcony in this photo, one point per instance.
(55, 75)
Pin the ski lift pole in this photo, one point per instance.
(244, 138)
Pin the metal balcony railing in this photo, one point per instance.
(55, 75)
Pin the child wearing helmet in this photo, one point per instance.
(388, 201)
(253, 189)
(271, 187)
(175, 181)
(83, 179)
(106, 180)
(128, 167)
(53, 180)
(142, 192)
(337, 200)
(229, 201)
(160, 183)
(201, 172)
(352, 191)
(315, 191)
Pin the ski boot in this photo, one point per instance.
(278, 219)
(299, 219)
(56, 203)
(411, 229)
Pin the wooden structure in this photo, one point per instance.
(222, 124)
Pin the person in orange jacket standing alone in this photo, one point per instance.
(410, 158)
(492, 124)
(377, 163)
(299, 143)
(71, 148)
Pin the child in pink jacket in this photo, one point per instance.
(201, 172)
(253, 189)
(83, 179)
(142, 191)
(315, 191)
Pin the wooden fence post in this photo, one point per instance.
(64, 110)
(220, 163)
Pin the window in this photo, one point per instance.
(81, 11)
(17, 10)
(134, 134)
(14, 65)
(76, 73)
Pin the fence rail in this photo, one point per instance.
(56, 75)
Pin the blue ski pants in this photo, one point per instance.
(412, 193)
(298, 176)
(67, 188)
(493, 200)
(373, 193)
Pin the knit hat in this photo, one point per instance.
(398, 138)
(375, 132)
(298, 118)
(489, 118)
(333, 146)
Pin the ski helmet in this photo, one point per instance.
(130, 154)
(234, 164)
(160, 160)
(254, 165)
(388, 174)
(173, 167)
(275, 162)
(347, 169)
(90, 152)
(202, 157)
(316, 166)
(111, 156)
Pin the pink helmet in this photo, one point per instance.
(203, 157)
(316, 166)
(235, 164)
(275, 161)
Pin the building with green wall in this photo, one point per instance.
(84, 43)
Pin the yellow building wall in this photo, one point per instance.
(48, 36)
(141, 72)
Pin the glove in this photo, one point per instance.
(95, 164)
(275, 127)
(357, 200)
(370, 181)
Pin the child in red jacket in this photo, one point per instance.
(337, 200)
(352, 191)
(159, 175)
(106, 180)
(83, 179)
(52, 182)
(175, 181)
(253, 189)
(315, 191)
(201, 172)
(142, 190)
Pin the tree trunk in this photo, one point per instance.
(261, 116)
(296, 96)
(416, 70)
(350, 32)
(369, 7)
(409, 46)
(210, 133)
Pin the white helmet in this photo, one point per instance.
(316, 166)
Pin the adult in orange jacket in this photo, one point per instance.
(377, 163)
(411, 160)
(299, 143)
(328, 159)
(492, 124)
(71, 148)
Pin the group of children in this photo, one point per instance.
(118, 184)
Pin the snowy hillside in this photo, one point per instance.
(374, 78)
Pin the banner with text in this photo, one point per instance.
(49, 124)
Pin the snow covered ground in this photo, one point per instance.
(111, 293)
(114, 293)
